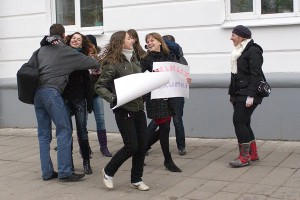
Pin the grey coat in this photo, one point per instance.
(56, 62)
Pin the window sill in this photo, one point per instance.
(85, 30)
(262, 22)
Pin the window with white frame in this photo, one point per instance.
(78, 15)
(261, 9)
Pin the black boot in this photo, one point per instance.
(87, 167)
(170, 165)
(86, 156)
(103, 143)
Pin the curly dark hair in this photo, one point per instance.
(85, 42)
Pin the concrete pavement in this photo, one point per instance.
(206, 174)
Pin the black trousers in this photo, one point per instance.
(242, 122)
(133, 127)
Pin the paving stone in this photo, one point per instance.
(213, 186)
(294, 180)
(225, 196)
(215, 154)
(255, 174)
(229, 173)
(262, 189)
(274, 158)
(199, 195)
(277, 176)
(238, 187)
(206, 174)
(293, 161)
(184, 187)
(252, 197)
(287, 193)
(211, 170)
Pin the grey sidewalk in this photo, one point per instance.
(205, 175)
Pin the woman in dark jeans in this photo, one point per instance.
(118, 61)
(78, 98)
(246, 73)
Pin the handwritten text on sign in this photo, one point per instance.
(178, 86)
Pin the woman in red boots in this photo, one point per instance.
(246, 73)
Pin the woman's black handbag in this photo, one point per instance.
(263, 89)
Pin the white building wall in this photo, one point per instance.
(196, 25)
(199, 26)
(22, 25)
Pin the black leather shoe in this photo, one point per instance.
(181, 152)
(73, 177)
(54, 175)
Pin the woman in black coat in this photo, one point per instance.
(159, 110)
(246, 74)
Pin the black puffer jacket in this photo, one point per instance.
(156, 108)
(78, 87)
(249, 74)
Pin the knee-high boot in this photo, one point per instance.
(244, 158)
(253, 151)
(102, 138)
(84, 146)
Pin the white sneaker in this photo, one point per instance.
(140, 186)
(107, 180)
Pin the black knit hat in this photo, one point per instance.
(242, 31)
(92, 39)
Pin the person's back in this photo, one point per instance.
(56, 62)
(175, 49)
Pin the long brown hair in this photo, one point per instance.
(113, 50)
(139, 51)
(157, 36)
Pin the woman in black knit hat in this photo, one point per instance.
(246, 73)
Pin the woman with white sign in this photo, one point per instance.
(119, 61)
(159, 110)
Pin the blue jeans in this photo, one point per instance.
(98, 110)
(78, 108)
(178, 104)
(49, 105)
